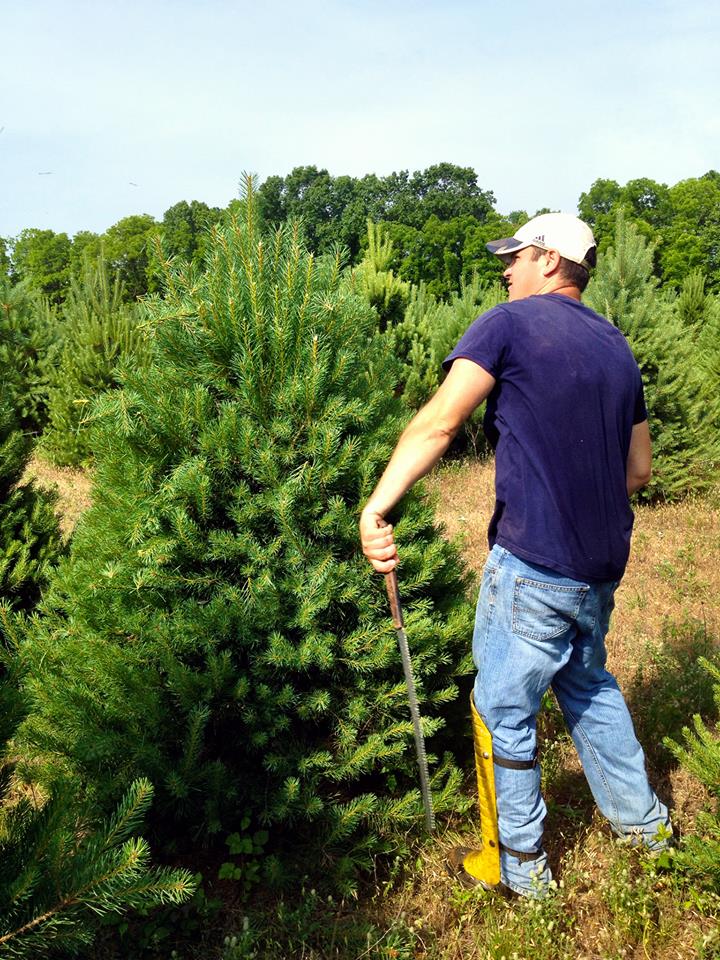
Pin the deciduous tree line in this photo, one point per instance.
(439, 220)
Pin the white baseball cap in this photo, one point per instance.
(563, 232)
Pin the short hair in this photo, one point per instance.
(575, 273)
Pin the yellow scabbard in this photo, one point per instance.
(484, 864)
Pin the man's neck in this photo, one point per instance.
(566, 289)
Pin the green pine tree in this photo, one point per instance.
(708, 347)
(410, 341)
(685, 435)
(216, 627)
(430, 329)
(60, 876)
(427, 334)
(61, 870)
(375, 281)
(699, 853)
(28, 338)
(30, 540)
(699, 313)
(99, 331)
(693, 303)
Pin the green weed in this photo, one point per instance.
(529, 930)
(670, 686)
(247, 849)
(682, 575)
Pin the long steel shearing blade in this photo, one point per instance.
(397, 617)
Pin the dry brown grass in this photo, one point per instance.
(607, 907)
(73, 487)
(674, 573)
(674, 568)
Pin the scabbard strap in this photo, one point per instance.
(515, 764)
(522, 856)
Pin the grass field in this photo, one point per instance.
(611, 902)
(667, 612)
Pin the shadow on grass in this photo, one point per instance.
(670, 686)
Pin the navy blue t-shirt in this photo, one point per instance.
(560, 416)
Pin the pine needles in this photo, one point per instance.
(59, 878)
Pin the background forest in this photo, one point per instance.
(205, 658)
(438, 219)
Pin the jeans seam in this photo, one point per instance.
(593, 754)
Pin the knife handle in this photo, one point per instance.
(391, 583)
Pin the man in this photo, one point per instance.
(567, 418)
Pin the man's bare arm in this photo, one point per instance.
(639, 461)
(422, 444)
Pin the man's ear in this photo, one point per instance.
(551, 262)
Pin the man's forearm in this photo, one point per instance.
(638, 468)
(635, 483)
(419, 448)
(423, 442)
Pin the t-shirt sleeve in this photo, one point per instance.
(640, 414)
(486, 342)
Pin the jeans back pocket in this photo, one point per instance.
(543, 610)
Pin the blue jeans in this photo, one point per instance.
(534, 629)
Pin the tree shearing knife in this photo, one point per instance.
(391, 584)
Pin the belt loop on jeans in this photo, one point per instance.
(515, 764)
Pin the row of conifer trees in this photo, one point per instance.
(675, 337)
(59, 360)
(64, 862)
(212, 627)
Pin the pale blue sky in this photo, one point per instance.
(109, 108)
